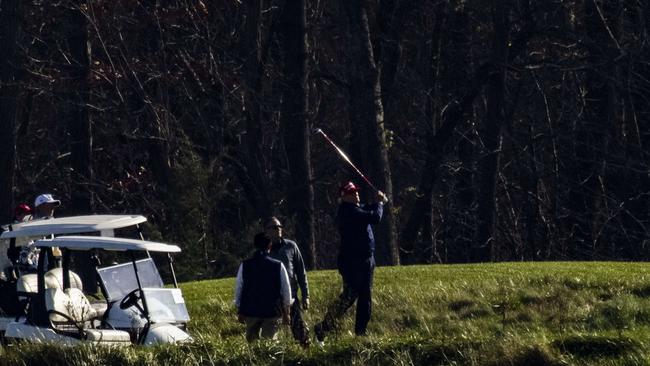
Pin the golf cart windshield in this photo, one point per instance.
(166, 305)
(120, 279)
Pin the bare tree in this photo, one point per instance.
(77, 50)
(294, 120)
(595, 132)
(491, 135)
(368, 113)
(251, 51)
(9, 91)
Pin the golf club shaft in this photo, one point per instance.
(345, 157)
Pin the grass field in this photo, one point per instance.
(484, 314)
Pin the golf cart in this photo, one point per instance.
(17, 273)
(136, 308)
(47, 302)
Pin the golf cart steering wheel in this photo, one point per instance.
(132, 299)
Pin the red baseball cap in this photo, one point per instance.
(347, 188)
(22, 209)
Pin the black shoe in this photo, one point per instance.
(320, 334)
(361, 334)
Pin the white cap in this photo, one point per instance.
(45, 198)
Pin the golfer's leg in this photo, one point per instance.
(364, 302)
(270, 328)
(253, 326)
(339, 307)
(298, 327)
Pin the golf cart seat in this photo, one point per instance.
(54, 279)
(70, 312)
(28, 283)
(26, 286)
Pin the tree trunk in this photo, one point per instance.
(9, 29)
(368, 111)
(392, 16)
(489, 164)
(591, 136)
(80, 129)
(294, 120)
(251, 52)
(77, 98)
(449, 120)
(455, 60)
(529, 181)
(431, 71)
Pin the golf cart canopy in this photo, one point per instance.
(106, 243)
(72, 225)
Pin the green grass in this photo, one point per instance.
(484, 314)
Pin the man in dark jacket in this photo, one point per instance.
(262, 292)
(287, 252)
(356, 261)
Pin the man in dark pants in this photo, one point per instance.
(356, 260)
(287, 252)
(262, 292)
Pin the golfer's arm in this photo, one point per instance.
(239, 283)
(370, 214)
(301, 274)
(285, 287)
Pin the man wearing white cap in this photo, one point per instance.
(44, 206)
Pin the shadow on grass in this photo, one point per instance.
(459, 305)
(468, 309)
(595, 346)
(531, 356)
(642, 291)
(415, 353)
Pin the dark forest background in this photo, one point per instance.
(500, 130)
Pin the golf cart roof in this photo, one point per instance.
(72, 225)
(106, 243)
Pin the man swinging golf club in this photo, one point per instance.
(356, 262)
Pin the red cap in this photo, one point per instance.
(22, 209)
(347, 188)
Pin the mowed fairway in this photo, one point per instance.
(483, 314)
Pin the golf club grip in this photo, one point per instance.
(346, 158)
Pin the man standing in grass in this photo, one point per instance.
(287, 252)
(262, 292)
(356, 262)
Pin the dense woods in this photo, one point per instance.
(500, 130)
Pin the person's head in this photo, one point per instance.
(273, 228)
(349, 193)
(45, 204)
(262, 242)
(21, 211)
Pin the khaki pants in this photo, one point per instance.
(266, 327)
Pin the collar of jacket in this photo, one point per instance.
(261, 253)
(278, 244)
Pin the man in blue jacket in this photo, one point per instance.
(356, 261)
(262, 292)
(287, 252)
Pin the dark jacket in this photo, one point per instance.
(287, 252)
(261, 296)
(357, 239)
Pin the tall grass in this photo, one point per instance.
(481, 314)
